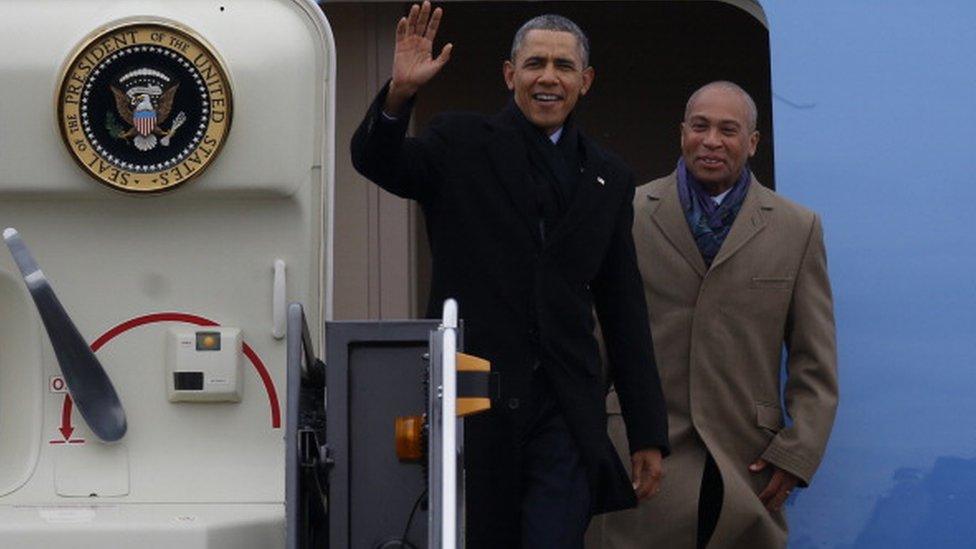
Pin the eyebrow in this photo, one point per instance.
(557, 60)
(703, 118)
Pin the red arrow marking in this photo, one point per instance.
(66, 428)
(269, 386)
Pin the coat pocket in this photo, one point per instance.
(769, 416)
(771, 282)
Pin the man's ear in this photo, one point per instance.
(508, 72)
(753, 142)
(589, 73)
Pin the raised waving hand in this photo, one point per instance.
(413, 61)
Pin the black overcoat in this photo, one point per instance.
(526, 302)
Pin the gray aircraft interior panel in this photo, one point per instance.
(385, 380)
(376, 373)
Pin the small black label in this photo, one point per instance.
(188, 381)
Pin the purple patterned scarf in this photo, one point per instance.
(709, 222)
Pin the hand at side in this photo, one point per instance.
(647, 470)
(779, 487)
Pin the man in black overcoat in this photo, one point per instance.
(530, 230)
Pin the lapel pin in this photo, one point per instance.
(600, 180)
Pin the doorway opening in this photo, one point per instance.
(649, 57)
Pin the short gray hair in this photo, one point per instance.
(553, 22)
(753, 112)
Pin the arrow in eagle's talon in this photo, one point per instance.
(177, 122)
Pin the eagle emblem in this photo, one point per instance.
(142, 114)
(144, 107)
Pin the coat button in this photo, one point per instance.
(513, 403)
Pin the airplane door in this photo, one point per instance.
(170, 167)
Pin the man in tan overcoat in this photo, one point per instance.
(735, 276)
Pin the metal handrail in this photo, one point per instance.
(304, 371)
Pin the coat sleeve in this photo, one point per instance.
(619, 299)
(811, 392)
(382, 153)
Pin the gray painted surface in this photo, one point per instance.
(376, 372)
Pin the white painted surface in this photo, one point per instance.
(91, 470)
(203, 249)
(257, 526)
(21, 384)
(448, 536)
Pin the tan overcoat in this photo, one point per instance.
(719, 334)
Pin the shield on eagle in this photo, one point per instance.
(144, 116)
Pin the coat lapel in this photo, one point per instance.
(509, 160)
(671, 220)
(749, 222)
(590, 190)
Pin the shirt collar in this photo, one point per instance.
(720, 197)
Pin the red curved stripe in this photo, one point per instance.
(268, 385)
(114, 332)
(149, 319)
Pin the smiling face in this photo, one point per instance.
(548, 77)
(717, 137)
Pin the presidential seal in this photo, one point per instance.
(144, 107)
